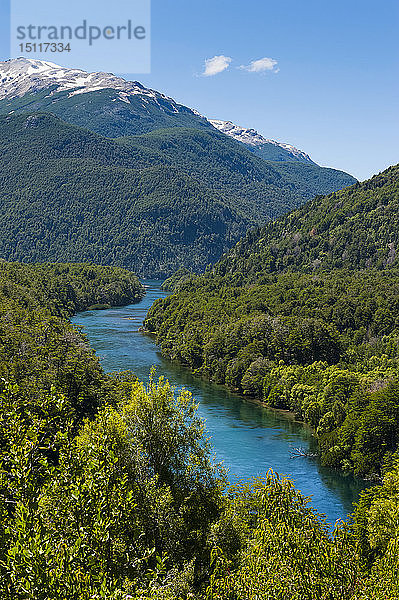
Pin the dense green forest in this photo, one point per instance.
(151, 203)
(38, 347)
(355, 228)
(176, 280)
(324, 344)
(108, 488)
(263, 188)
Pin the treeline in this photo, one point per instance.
(324, 346)
(66, 288)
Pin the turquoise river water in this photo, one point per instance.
(248, 437)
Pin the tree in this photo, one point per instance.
(132, 500)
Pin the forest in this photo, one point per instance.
(321, 342)
(354, 228)
(109, 488)
(150, 203)
(324, 346)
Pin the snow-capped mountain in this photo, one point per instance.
(113, 106)
(21, 76)
(250, 137)
(103, 102)
(170, 191)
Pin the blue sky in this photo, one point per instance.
(335, 94)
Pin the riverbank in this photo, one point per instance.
(287, 413)
(246, 435)
(373, 478)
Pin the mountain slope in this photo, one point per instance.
(114, 107)
(279, 319)
(355, 228)
(67, 192)
(266, 149)
(153, 203)
(177, 193)
(260, 189)
(101, 102)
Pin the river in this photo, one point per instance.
(248, 437)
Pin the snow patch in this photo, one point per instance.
(22, 76)
(252, 138)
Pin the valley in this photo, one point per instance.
(229, 433)
(249, 438)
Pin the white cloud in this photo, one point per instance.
(216, 65)
(260, 65)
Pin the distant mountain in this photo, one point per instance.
(153, 203)
(261, 190)
(22, 76)
(266, 149)
(114, 107)
(175, 191)
(102, 102)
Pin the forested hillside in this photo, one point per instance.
(94, 496)
(355, 228)
(39, 348)
(263, 189)
(323, 344)
(151, 203)
(108, 486)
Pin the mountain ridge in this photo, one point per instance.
(356, 227)
(114, 107)
(265, 148)
(175, 190)
(152, 202)
(101, 102)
